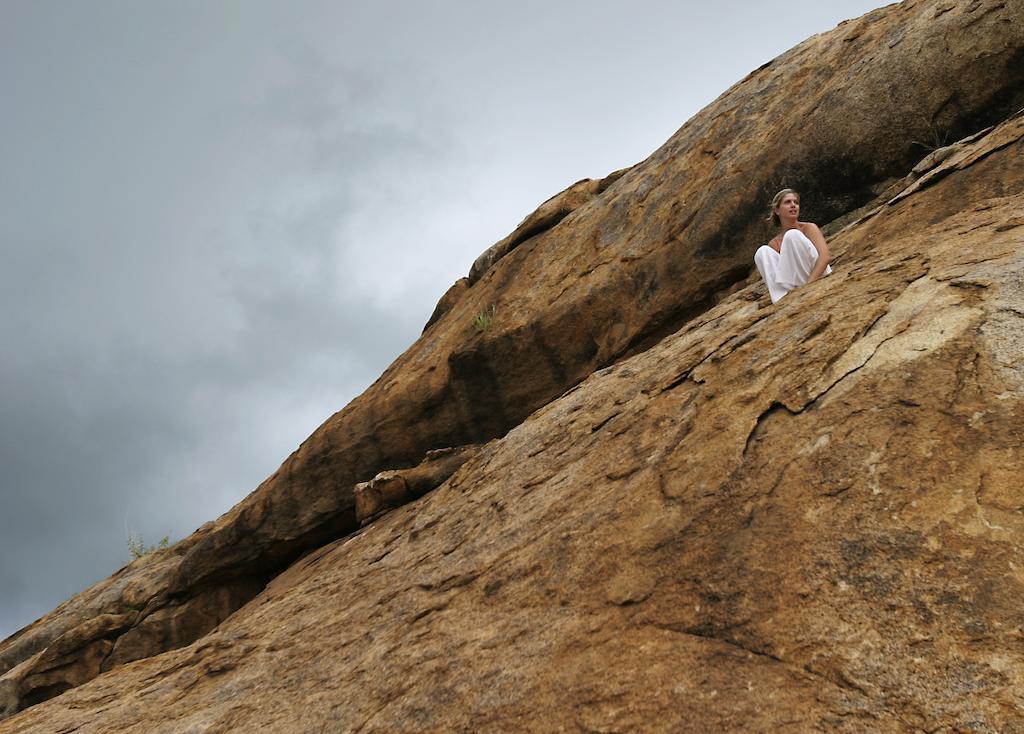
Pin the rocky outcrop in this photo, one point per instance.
(392, 489)
(796, 517)
(124, 618)
(546, 216)
(449, 299)
(598, 277)
(838, 115)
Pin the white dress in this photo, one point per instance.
(783, 271)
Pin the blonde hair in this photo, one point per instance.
(773, 218)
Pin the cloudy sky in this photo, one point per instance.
(222, 219)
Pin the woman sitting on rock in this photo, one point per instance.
(797, 255)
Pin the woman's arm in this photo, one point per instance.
(824, 257)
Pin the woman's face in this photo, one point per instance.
(789, 207)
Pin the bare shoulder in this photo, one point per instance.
(811, 232)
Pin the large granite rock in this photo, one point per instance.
(797, 517)
(838, 116)
(601, 272)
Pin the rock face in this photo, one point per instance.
(391, 489)
(746, 517)
(788, 518)
(547, 215)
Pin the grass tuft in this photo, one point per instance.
(482, 321)
(138, 548)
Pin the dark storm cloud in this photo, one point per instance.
(181, 304)
(222, 220)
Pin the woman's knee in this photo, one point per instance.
(766, 260)
(795, 235)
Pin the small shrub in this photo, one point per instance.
(138, 548)
(935, 139)
(482, 321)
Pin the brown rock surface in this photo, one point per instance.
(789, 518)
(123, 618)
(546, 216)
(449, 299)
(838, 115)
(607, 275)
(394, 488)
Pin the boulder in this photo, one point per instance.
(391, 489)
(837, 116)
(126, 617)
(449, 299)
(546, 216)
(608, 270)
(791, 517)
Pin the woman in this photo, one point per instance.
(797, 255)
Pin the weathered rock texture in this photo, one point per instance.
(797, 517)
(547, 215)
(393, 488)
(800, 517)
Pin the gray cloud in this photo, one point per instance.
(221, 221)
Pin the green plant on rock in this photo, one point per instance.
(138, 548)
(484, 317)
(936, 138)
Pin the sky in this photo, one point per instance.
(220, 221)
